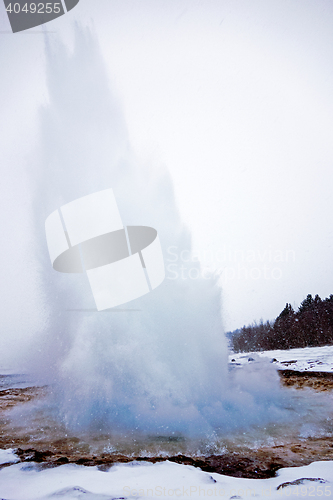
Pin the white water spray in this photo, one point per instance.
(147, 368)
(162, 366)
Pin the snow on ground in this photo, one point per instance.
(167, 480)
(8, 456)
(315, 359)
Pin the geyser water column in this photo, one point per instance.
(122, 263)
(161, 367)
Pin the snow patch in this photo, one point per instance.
(161, 480)
(312, 359)
(8, 456)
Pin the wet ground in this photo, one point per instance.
(319, 381)
(48, 442)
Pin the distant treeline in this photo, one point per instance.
(311, 325)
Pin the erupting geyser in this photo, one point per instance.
(161, 365)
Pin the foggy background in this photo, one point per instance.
(234, 99)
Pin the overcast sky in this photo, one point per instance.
(235, 99)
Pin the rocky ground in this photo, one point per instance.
(320, 381)
(243, 462)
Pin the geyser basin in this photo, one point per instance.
(307, 424)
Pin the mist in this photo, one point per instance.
(149, 366)
(160, 365)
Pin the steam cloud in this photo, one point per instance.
(161, 367)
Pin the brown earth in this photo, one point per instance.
(245, 462)
(320, 381)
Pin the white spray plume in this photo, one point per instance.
(161, 367)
